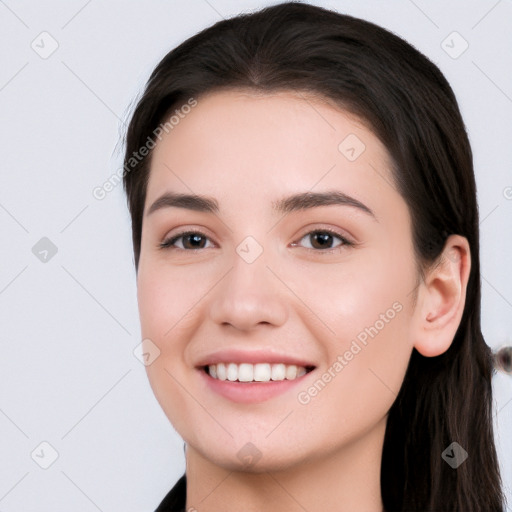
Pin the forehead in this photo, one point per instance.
(239, 144)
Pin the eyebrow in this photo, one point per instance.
(296, 202)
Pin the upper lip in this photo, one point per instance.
(251, 356)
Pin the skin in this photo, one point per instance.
(247, 150)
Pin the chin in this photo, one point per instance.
(253, 457)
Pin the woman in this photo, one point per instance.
(305, 233)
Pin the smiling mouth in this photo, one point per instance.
(260, 372)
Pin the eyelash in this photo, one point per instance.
(168, 244)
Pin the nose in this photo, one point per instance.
(250, 294)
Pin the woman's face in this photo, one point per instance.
(272, 279)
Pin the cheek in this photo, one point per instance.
(365, 365)
(164, 298)
(352, 295)
(365, 304)
(171, 303)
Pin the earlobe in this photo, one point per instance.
(443, 296)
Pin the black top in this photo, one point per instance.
(176, 499)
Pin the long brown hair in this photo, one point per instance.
(410, 106)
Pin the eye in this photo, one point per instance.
(322, 239)
(190, 240)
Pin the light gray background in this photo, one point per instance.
(68, 375)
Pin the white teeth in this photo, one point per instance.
(260, 372)
(232, 372)
(221, 371)
(278, 371)
(291, 372)
(245, 372)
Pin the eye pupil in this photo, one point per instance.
(324, 238)
(196, 243)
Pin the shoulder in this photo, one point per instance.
(175, 500)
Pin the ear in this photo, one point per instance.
(441, 298)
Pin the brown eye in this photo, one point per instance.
(323, 240)
(189, 240)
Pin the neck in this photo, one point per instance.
(347, 480)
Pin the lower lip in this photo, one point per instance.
(250, 392)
